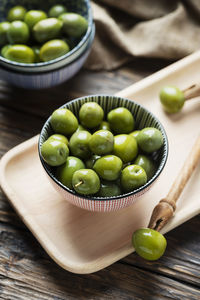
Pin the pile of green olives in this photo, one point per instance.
(100, 155)
(36, 36)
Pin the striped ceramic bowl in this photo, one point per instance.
(51, 73)
(143, 118)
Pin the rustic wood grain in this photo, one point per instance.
(26, 271)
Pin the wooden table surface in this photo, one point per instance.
(27, 272)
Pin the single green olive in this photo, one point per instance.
(59, 137)
(56, 10)
(80, 128)
(74, 24)
(90, 161)
(108, 167)
(101, 142)
(63, 121)
(91, 114)
(134, 133)
(18, 33)
(79, 144)
(36, 50)
(109, 189)
(4, 26)
(53, 49)
(104, 125)
(34, 16)
(86, 182)
(172, 99)
(150, 139)
(54, 152)
(4, 50)
(133, 177)
(47, 29)
(147, 164)
(148, 243)
(65, 172)
(125, 146)
(16, 13)
(20, 53)
(121, 120)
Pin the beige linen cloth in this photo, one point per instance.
(126, 29)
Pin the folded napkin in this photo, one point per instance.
(143, 28)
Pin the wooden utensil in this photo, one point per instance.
(165, 209)
(192, 91)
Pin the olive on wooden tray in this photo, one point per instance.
(172, 99)
(148, 243)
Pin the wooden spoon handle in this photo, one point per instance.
(164, 210)
(192, 91)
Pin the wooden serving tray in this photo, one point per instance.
(84, 242)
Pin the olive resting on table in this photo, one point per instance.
(101, 162)
(53, 33)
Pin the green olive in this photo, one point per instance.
(104, 125)
(53, 49)
(91, 114)
(20, 53)
(65, 172)
(133, 177)
(59, 137)
(109, 189)
(121, 120)
(172, 99)
(135, 133)
(150, 139)
(56, 10)
(80, 128)
(34, 16)
(54, 152)
(63, 121)
(148, 243)
(125, 147)
(47, 29)
(74, 24)
(101, 142)
(4, 50)
(4, 26)
(86, 182)
(16, 13)
(18, 33)
(108, 167)
(90, 161)
(147, 164)
(36, 50)
(79, 144)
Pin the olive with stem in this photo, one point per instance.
(149, 243)
(173, 99)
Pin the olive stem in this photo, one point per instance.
(79, 183)
(165, 209)
(192, 91)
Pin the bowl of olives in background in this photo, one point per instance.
(43, 44)
(101, 152)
